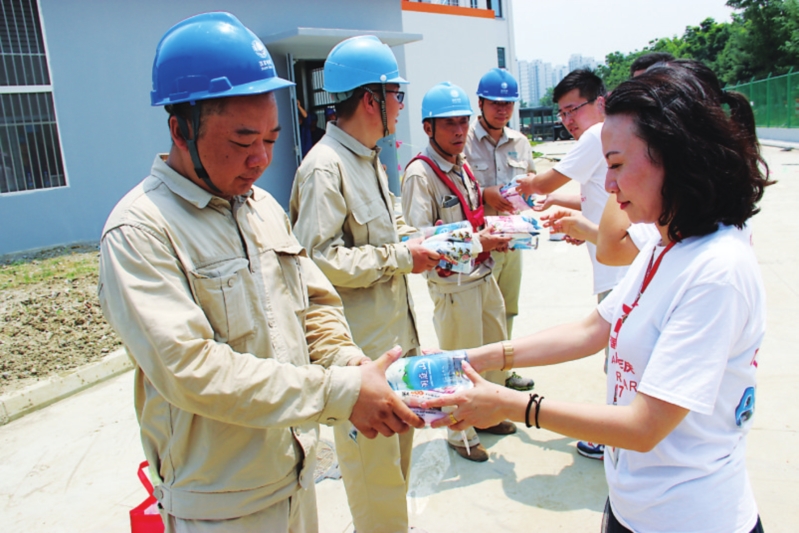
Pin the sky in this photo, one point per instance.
(553, 30)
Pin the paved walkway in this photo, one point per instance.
(71, 467)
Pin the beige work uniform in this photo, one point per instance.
(222, 312)
(468, 312)
(497, 164)
(343, 213)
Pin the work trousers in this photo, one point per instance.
(376, 473)
(296, 514)
(468, 316)
(507, 271)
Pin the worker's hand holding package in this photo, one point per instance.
(456, 244)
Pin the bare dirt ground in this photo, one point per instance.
(50, 317)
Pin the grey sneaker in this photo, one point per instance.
(517, 382)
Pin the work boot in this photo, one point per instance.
(476, 453)
(505, 427)
(517, 382)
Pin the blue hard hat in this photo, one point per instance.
(359, 61)
(212, 55)
(446, 100)
(499, 85)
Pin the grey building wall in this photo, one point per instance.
(100, 54)
(778, 134)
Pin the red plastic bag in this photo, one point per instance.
(144, 518)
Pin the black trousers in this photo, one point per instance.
(611, 525)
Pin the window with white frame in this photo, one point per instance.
(30, 150)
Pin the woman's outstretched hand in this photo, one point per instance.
(482, 406)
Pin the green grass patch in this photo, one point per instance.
(68, 267)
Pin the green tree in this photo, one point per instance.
(761, 39)
(546, 100)
(768, 44)
(706, 41)
(616, 68)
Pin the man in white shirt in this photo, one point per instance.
(580, 98)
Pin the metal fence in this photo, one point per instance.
(775, 100)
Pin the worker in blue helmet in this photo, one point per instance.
(343, 213)
(220, 308)
(499, 155)
(439, 187)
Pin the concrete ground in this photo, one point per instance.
(71, 466)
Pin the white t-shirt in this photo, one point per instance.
(585, 164)
(643, 233)
(691, 341)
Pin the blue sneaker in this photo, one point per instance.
(591, 450)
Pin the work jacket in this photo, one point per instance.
(497, 163)
(343, 213)
(222, 313)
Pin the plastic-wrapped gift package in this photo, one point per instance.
(523, 230)
(456, 231)
(519, 201)
(423, 377)
(456, 244)
(455, 256)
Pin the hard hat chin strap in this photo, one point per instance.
(191, 142)
(382, 101)
(483, 117)
(383, 110)
(487, 123)
(435, 142)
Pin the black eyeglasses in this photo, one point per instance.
(399, 95)
(570, 112)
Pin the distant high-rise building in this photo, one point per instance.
(525, 82)
(558, 73)
(535, 79)
(578, 61)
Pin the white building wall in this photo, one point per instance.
(455, 48)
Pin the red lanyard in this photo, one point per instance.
(651, 270)
(476, 216)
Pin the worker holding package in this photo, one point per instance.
(439, 187)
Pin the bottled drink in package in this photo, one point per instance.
(438, 371)
(424, 377)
